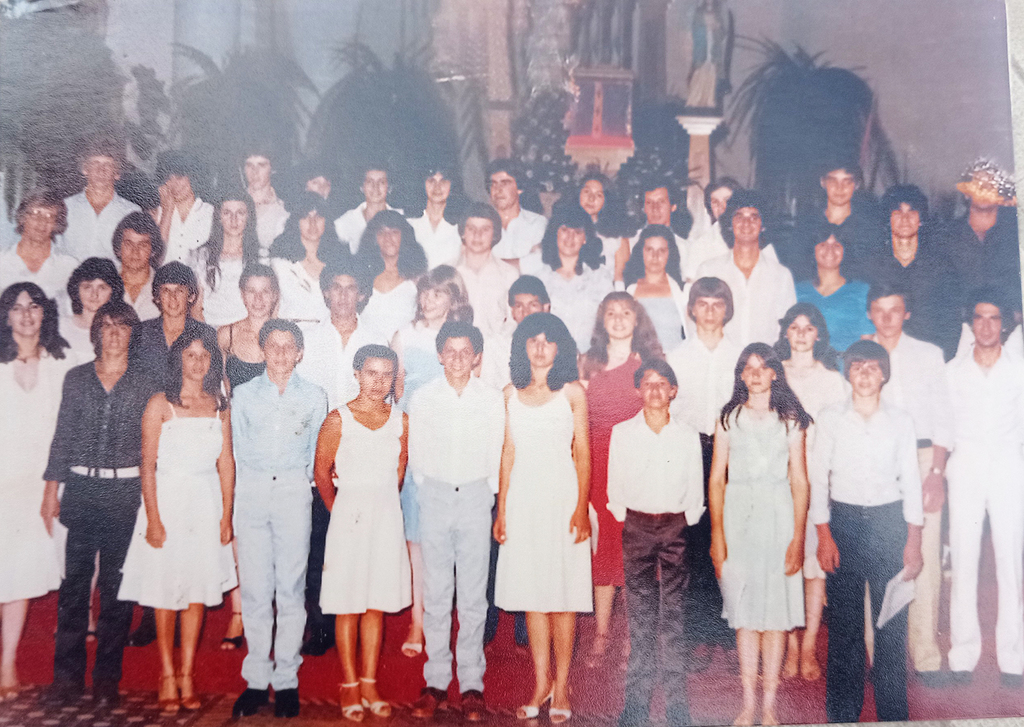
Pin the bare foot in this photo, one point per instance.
(791, 667)
(746, 717)
(809, 668)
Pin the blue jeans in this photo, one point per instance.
(272, 526)
(455, 537)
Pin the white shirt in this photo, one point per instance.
(144, 305)
(865, 462)
(655, 473)
(351, 226)
(917, 385)
(575, 301)
(706, 379)
(222, 303)
(987, 407)
(758, 301)
(391, 311)
(488, 293)
(523, 233)
(301, 298)
(52, 275)
(189, 233)
(494, 369)
(327, 362)
(90, 234)
(456, 439)
(442, 245)
(270, 221)
(1014, 344)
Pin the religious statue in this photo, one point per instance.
(712, 34)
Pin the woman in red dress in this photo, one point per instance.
(623, 337)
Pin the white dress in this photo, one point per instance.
(29, 558)
(389, 312)
(366, 561)
(540, 567)
(192, 566)
(301, 298)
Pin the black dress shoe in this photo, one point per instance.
(934, 679)
(250, 701)
(145, 634)
(1011, 681)
(318, 644)
(286, 703)
(61, 694)
(105, 694)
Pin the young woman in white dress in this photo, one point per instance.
(32, 368)
(389, 250)
(92, 284)
(360, 461)
(812, 370)
(180, 557)
(543, 494)
(440, 296)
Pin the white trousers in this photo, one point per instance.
(988, 480)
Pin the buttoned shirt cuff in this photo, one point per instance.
(617, 511)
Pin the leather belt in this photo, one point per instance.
(103, 473)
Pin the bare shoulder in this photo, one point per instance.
(575, 392)
(508, 391)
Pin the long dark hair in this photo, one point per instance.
(635, 269)
(195, 331)
(288, 244)
(574, 218)
(611, 220)
(782, 400)
(564, 368)
(645, 343)
(213, 248)
(412, 260)
(49, 332)
(823, 350)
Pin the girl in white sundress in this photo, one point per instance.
(543, 493)
(360, 460)
(180, 556)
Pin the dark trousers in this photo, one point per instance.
(870, 542)
(704, 622)
(100, 517)
(319, 625)
(650, 543)
(493, 612)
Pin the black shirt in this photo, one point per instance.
(934, 293)
(149, 347)
(995, 261)
(97, 428)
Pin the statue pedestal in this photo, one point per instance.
(600, 120)
(700, 129)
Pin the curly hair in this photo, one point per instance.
(213, 248)
(740, 199)
(412, 260)
(574, 218)
(782, 400)
(288, 245)
(49, 331)
(823, 350)
(447, 279)
(195, 331)
(611, 220)
(43, 198)
(564, 369)
(635, 268)
(645, 343)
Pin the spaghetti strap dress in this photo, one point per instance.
(366, 561)
(192, 566)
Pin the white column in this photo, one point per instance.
(700, 129)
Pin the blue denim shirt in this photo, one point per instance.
(275, 432)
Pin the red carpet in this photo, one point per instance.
(714, 695)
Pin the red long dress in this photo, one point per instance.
(611, 398)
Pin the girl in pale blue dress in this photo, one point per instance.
(440, 296)
(758, 500)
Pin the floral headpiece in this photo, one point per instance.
(987, 184)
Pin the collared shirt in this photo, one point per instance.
(97, 428)
(327, 362)
(917, 385)
(273, 431)
(149, 347)
(575, 301)
(302, 300)
(442, 245)
(351, 226)
(706, 378)
(935, 291)
(488, 293)
(52, 275)
(494, 369)
(758, 301)
(655, 472)
(864, 462)
(270, 221)
(189, 233)
(144, 304)
(523, 233)
(455, 438)
(90, 234)
(987, 407)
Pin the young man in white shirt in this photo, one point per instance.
(986, 470)
(351, 225)
(486, 277)
(456, 431)
(659, 204)
(271, 214)
(704, 364)
(327, 362)
(526, 296)
(94, 212)
(866, 506)
(185, 219)
(41, 217)
(917, 385)
(522, 230)
(439, 237)
(655, 475)
(762, 290)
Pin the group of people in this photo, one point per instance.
(352, 416)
